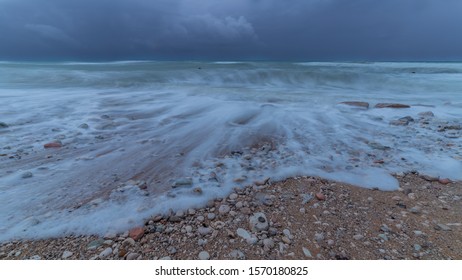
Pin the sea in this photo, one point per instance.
(141, 138)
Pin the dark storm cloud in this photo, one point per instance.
(231, 29)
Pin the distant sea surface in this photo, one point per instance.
(141, 137)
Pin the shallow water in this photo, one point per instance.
(216, 124)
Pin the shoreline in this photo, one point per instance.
(297, 218)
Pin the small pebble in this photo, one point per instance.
(204, 255)
(107, 252)
(307, 252)
(132, 256)
(66, 254)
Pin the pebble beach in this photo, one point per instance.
(298, 218)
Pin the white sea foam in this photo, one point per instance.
(222, 125)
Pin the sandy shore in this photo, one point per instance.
(299, 218)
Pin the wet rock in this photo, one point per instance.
(444, 181)
(402, 121)
(391, 105)
(53, 145)
(175, 219)
(3, 125)
(356, 104)
(183, 182)
(26, 175)
(66, 254)
(84, 126)
(378, 146)
(204, 255)
(136, 233)
(106, 253)
(427, 114)
(258, 222)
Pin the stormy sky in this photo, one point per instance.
(231, 29)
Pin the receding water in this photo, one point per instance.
(208, 125)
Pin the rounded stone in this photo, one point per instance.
(204, 255)
(258, 222)
(224, 209)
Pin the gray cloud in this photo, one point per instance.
(231, 29)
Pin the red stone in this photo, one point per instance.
(444, 181)
(320, 196)
(136, 233)
(53, 145)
